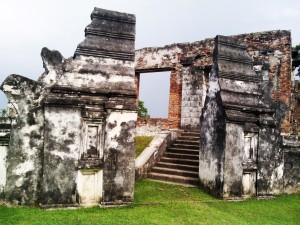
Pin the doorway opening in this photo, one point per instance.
(154, 91)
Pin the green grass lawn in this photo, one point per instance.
(158, 203)
(141, 142)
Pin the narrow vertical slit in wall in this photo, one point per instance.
(154, 91)
(3, 101)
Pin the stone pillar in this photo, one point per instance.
(247, 160)
(193, 93)
(23, 160)
(94, 101)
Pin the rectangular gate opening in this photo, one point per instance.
(154, 90)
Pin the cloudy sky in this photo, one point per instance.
(28, 26)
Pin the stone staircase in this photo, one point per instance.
(179, 164)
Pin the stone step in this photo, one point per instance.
(190, 134)
(173, 178)
(187, 142)
(181, 156)
(185, 146)
(177, 172)
(183, 151)
(188, 138)
(180, 161)
(193, 168)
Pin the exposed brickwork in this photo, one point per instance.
(154, 122)
(175, 99)
(270, 49)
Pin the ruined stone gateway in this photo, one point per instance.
(242, 89)
(68, 138)
(70, 134)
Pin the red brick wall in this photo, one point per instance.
(174, 115)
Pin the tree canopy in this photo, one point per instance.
(142, 110)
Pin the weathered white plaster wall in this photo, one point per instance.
(147, 131)
(23, 162)
(157, 57)
(59, 121)
(119, 167)
(192, 97)
(3, 154)
(98, 74)
(233, 169)
(90, 187)
(119, 119)
(61, 153)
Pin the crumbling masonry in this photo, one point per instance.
(68, 138)
(247, 108)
